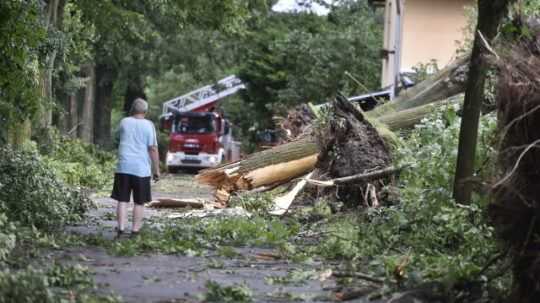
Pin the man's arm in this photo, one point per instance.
(153, 151)
(154, 156)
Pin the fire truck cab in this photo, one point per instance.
(200, 136)
(198, 139)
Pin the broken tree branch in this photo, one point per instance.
(282, 203)
(378, 174)
(173, 203)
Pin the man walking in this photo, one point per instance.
(137, 158)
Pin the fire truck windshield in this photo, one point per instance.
(194, 125)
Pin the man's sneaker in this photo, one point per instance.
(120, 233)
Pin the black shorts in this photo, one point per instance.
(125, 184)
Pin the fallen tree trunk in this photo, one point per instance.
(291, 160)
(273, 166)
(284, 153)
(258, 165)
(448, 82)
(176, 203)
(410, 117)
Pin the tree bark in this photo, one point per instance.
(54, 11)
(410, 117)
(103, 105)
(86, 130)
(490, 15)
(448, 82)
(284, 153)
(134, 90)
(73, 124)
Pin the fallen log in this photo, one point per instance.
(176, 203)
(410, 117)
(289, 152)
(277, 173)
(274, 166)
(448, 82)
(291, 160)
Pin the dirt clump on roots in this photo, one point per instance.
(349, 145)
(515, 206)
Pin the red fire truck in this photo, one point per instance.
(200, 136)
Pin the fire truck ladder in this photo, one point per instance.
(203, 96)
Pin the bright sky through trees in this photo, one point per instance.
(292, 5)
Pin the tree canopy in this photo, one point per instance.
(76, 65)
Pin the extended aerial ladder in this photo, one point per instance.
(203, 98)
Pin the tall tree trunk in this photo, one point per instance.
(103, 105)
(73, 125)
(53, 11)
(61, 117)
(86, 130)
(134, 90)
(490, 15)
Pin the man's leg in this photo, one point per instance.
(121, 193)
(141, 195)
(121, 215)
(138, 215)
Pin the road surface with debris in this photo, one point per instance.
(183, 278)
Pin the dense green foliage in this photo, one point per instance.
(218, 293)
(79, 164)
(39, 195)
(7, 237)
(284, 58)
(302, 57)
(196, 237)
(20, 38)
(57, 284)
(31, 194)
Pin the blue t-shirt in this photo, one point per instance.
(136, 136)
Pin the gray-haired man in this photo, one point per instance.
(138, 160)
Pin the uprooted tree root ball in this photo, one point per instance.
(350, 145)
(515, 208)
